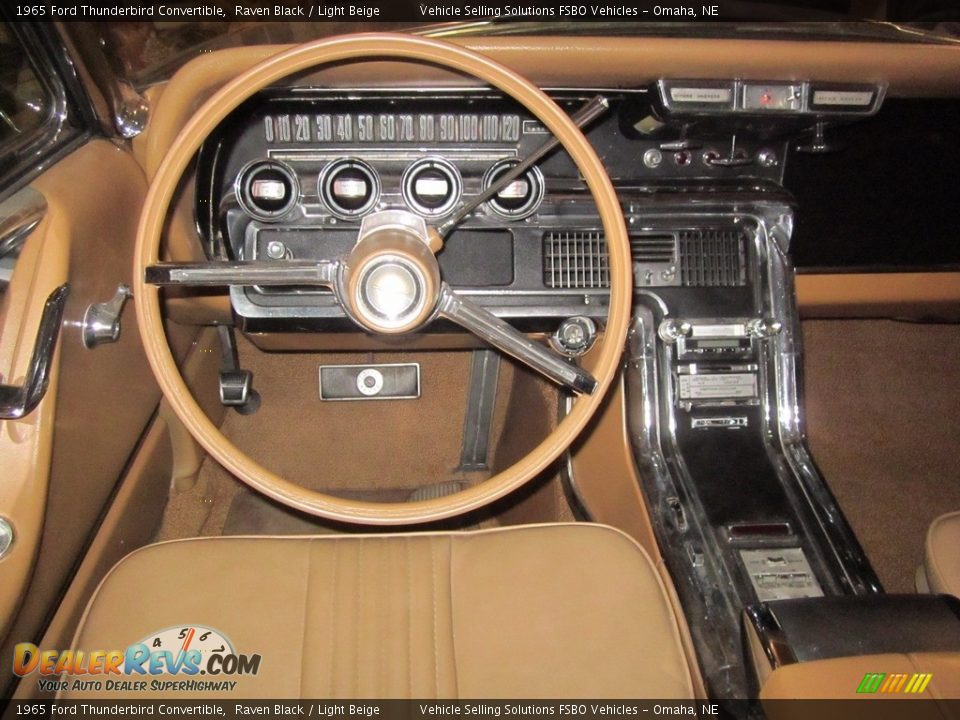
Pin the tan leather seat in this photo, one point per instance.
(941, 563)
(936, 676)
(839, 678)
(574, 610)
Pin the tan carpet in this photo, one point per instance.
(377, 444)
(883, 420)
(201, 511)
(376, 450)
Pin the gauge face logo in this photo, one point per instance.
(186, 650)
(194, 637)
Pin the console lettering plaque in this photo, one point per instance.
(780, 573)
(713, 386)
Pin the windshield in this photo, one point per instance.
(146, 52)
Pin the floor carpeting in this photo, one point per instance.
(371, 445)
(220, 504)
(883, 423)
(380, 451)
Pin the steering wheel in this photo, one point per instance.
(389, 283)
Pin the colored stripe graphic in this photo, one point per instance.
(921, 682)
(894, 683)
(871, 682)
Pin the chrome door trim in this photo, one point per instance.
(17, 401)
(19, 215)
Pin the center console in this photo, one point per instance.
(740, 512)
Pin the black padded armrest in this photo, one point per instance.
(807, 629)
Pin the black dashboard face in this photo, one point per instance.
(293, 173)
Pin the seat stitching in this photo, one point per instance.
(453, 637)
(333, 611)
(406, 548)
(306, 608)
(383, 571)
(436, 644)
(932, 688)
(356, 620)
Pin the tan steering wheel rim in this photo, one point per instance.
(358, 48)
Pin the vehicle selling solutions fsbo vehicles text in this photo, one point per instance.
(451, 11)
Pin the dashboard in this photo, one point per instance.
(293, 172)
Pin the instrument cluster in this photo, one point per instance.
(272, 189)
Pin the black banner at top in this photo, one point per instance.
(443, 11)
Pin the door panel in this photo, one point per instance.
(99, 401)
(26, 444)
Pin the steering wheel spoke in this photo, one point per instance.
(505, 337)
(247, 272)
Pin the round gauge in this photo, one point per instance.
(519, 198)
(184, 638)
(349, 187)
(431, 186)
(267, 189)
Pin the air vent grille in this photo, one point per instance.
(659, 248)
(706, 257)
(713, 258)
(575, 260)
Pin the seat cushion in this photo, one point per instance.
(941, 560)
(898, 676)
(575, 610)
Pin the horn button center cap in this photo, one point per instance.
(391, 279)
(391, 291)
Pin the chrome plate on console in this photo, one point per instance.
(780, 574)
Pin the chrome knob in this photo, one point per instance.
(672, 329)
(101, 322)
(6, 536)
(575, 336)
(764, 327)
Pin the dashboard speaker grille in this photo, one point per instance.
(713, 258)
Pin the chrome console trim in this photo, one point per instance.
(772, 639)
(705, 571)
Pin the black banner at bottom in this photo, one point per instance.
(865, 708)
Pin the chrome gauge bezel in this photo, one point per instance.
(325, 189)
(534, 176)
(445, 167)
(243, 183)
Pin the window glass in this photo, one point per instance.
(146, 52)
(24, 100)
